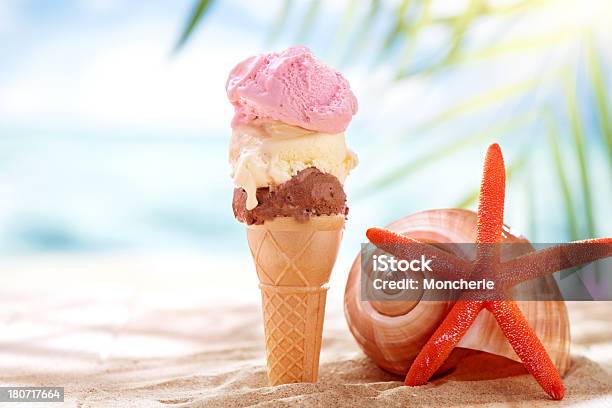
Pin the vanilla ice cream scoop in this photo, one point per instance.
(272, 154)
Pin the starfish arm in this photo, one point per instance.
(491, 199)
(550, 260)
(445, 265)
(527, 346)
(442, 342)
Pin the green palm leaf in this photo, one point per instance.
(398, 26)
(532, 215)
(402, 70)
(601, 101)
(279, 24)
(309, 19)
(197, 15)
(580, 151)
(481, 101)
(553, 141)
(471, 139)
(343, 29)
(358, 44)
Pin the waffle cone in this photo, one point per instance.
(294, 262)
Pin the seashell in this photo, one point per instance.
(392, 333)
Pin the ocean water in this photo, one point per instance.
(109, 190)
(80, 192)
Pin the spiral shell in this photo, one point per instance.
(393, 333)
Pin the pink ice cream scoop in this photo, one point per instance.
(293, 87)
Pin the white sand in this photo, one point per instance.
(124, 331)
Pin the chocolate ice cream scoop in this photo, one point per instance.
(309, 193)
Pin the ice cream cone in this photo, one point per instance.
(294, 262)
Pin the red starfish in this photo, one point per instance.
(507, 313)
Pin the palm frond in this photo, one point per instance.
(279, 23)
(401, 172)
(568, 202)
(397, 28)
(530, 43)
(197, 15)
(460, 28)
(579, 150)
(309, 19)
(460, 25)
(358, 44)
(601, 99)
(421, 21)
(532, 210)
(491, 10)
(343, 29)
(483, 100)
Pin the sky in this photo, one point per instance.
(95, 63)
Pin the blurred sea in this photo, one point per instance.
(107, 191)
(91, 192)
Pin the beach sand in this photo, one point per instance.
(118, 332)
